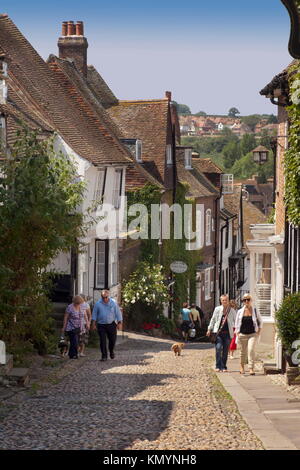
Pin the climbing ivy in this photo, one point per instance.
(172, 249)
(292, 155)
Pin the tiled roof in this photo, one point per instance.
(206, 165)
(279, 81)
(146, 120)
(37, 91)
(100, 88)
(199, 185)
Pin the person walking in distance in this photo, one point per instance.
(107, 317)
(221, 324)
(248, 325)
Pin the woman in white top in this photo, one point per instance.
(248, 325)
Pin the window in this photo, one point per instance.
(138, 151)
(208, 227)
(207, 286)
(2, 132)
(100, 186)
(3, 92)
(227, 184)
(117, 189)
(188, 158)
(263, 276)
(169, 154)
(3, 68)
(101, 264)
(113, 251)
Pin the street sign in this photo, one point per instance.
(178, 267)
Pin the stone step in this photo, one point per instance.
(18, 376)
(5, 368)
(270, 368)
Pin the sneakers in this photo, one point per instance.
(82, 355)
(112, 355)
(103, 359)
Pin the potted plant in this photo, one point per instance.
(288, 327)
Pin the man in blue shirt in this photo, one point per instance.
(106, 316)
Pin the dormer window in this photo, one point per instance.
(138, 151)
(227, 183)
(3, 68)
(3, 92)
(2, 131)
(188, 159)
(169, 154)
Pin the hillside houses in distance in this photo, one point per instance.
(212, 126)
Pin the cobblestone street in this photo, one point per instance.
(146, 398)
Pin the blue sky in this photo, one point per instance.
(211, 54)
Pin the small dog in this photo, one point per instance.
(177, 347)
(63, 346)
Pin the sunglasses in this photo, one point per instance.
(246, 300)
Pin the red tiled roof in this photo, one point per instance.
(35, 91)
(146, 120)
(206, 165)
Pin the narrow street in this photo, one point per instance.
(146, 398)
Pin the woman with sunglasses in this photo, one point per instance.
(248, 325)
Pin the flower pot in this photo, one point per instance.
(291, 374)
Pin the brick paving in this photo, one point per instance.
(146, 398)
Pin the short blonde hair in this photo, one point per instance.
(249, 296)
(77, 299)
(224, 296)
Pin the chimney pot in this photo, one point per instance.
(79, 28)
(168, 95)
(71, 28)
(64, 29)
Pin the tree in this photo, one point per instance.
(233, 112)
(183, 109)
(201, 113)
(231, 153)
(39, 197)
(247, 143)
(272, 119)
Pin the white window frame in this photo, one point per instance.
(113, 263)
(188, 159)
(169, 154)
(208, 227)
(207, 285)
(117, 188)
(227, 183)
(100, 264)
(263, 290)
(100, 185)
(138, 151)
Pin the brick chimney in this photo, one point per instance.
(73, 45)
(168, 95)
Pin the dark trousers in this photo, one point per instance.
(109, 331)
(73, 350)
(222, 346)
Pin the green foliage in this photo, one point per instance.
(292, 155)
(247, 143)
(39, 197)
(245, 168)
(231, 153)
(233, 112)
(146, 285)
(182, 109)
(201, 113)
(288, 321)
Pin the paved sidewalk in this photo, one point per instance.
(265, 407)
